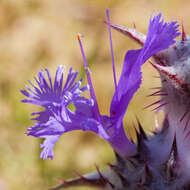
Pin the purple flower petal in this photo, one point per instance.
(128, 84)
(48, 146)
(45, 93)
(64, 121)
(160, 36)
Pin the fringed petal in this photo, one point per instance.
(160, 36)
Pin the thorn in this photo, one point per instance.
(187, 122)
(174, 148)
(157, 108)
(161, 94)
(152, 104)
(173, 152)
(155, 93)
(131, 33)
(79, 175)
(183, 116)
(162, 69)
(172, 162)
(103, 178)
(90, 180)
(183, 35)
(115, 170)
(120, 159)
(187, 135)
(132, 162)
(171, 76)
(140, 139)
(147, 170)
(165, 125)
(147, 175)
(142, 132)
(160, 59)
(111, 165)
(100, 174)
(141, 147)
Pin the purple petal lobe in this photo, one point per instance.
(160, 36)
(48, 146)
(129, 82)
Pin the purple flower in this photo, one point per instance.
(56, 99)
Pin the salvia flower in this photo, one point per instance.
(57, 118)
(160, 161)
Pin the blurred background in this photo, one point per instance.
(37, 34)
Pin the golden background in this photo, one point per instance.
(37, 34)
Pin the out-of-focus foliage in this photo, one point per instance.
(37, 34)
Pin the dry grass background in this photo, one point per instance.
(36, 34)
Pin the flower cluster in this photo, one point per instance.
(55, 97)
